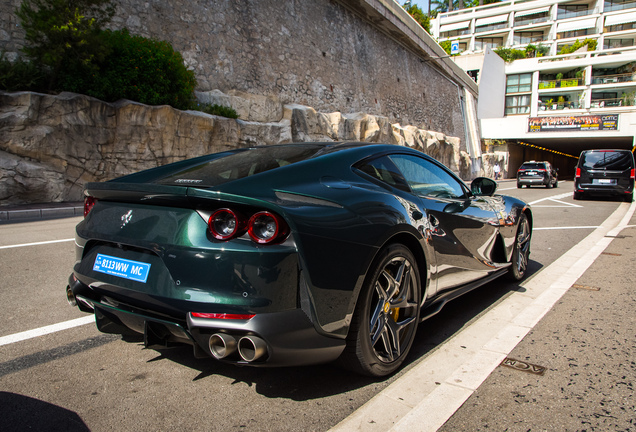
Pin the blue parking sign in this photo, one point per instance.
(455, 47)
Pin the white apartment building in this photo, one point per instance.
(565, 103)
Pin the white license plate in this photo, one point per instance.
(604, 181)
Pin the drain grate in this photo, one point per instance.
(523, 366)
(585, 287)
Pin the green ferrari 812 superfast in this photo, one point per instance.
(292, 254)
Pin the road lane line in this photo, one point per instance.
(560, 228)
(429, 393)
(36, 243)
(29, 334)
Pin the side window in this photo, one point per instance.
(427, 178)
(382, 169)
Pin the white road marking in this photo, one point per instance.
(426, 396)
(36, 243)
(563, 228)
(555, 197)
(29, 334)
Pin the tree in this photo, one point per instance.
(419, 16)
(64, 33)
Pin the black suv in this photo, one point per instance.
(537, 173)
(605, 172)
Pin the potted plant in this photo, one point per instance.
(560, 102)
(550, 103)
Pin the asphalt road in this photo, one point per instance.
(78, 379)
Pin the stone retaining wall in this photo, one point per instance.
(50, 146)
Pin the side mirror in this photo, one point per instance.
(483, 186)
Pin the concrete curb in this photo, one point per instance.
(43, 212)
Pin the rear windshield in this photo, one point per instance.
(532, 165)
(609, 160)
(241, 164)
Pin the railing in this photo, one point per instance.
(587, 54)
(609, 6)
(612, 102)
(561, 83)
(563, 14)
(530, 20)
(612, 79)
(554, 106)
(486, 28)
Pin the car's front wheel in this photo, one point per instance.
(386, 315)
(521, 251)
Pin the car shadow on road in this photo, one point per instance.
(21, 413)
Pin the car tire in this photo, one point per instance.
(521, 250)
(556, 183)
(629, 197)
(386, 315)
(577, 196)
(519, 186)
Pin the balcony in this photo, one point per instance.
(550, 105)
(613, 79)
(564, 14)
(615, 6)
(625, 100)
(561, 83)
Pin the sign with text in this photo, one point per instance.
(605, 122)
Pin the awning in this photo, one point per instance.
(576, 25)
(532, 11)
(491, 20)
(454, 26)
(623, 18)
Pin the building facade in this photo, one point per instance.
(561, 102)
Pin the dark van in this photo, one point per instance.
(605, 172)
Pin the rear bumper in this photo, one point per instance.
(533, 181)
(290, 338)
(595, 189)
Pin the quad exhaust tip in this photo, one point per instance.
(252, 348)
(222, 345)
(70, 297)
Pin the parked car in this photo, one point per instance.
(537, 173)
(605, 172)
(292, 254)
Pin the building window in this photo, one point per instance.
(519, 104)
(491, 27)
(618, 43)
(572, 11)
(448, 34)
(528, 37)
(532, 19)
(519, 83)
(618, 5)
(482, 43)
(575, 33)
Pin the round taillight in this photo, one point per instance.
(225, 224)
(265, 227)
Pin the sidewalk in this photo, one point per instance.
(585, 346)
(31, 212)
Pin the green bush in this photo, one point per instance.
(218, 110)
(21, 75)
(569, 49)
(136, 68)
(62, 34)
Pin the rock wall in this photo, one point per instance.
(315, 53)
(50, 146)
